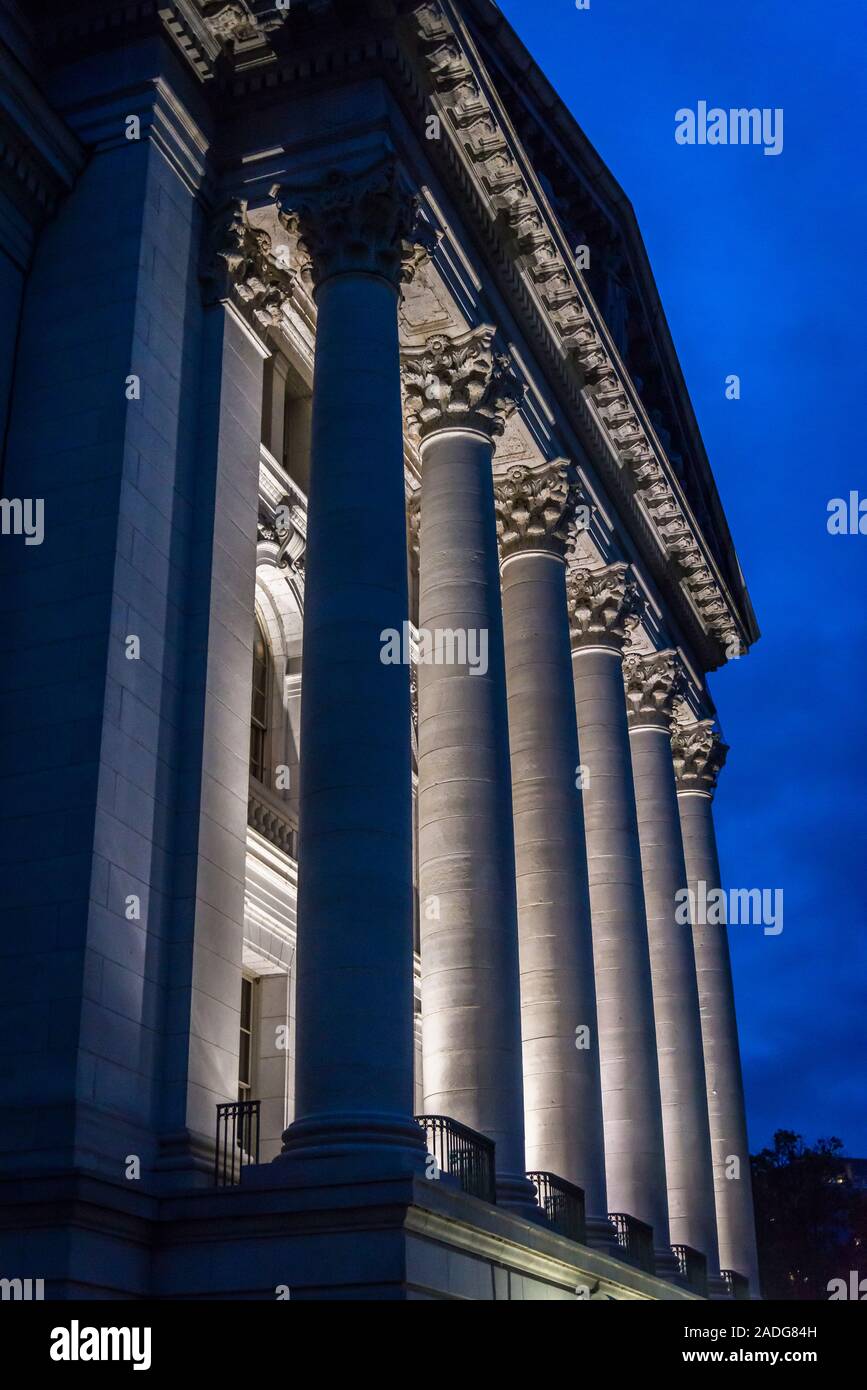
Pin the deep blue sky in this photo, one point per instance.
(761, 264)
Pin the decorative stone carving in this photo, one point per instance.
(231, 23)
(413, 709)
(291, 528)
(699, 756)
(432, 23)
(239, 265)
(604, 606)
(288, 531)
(362, 220)
(413, 520)
(488, 145)
(653, 683)
(459, 382)
(535, 507)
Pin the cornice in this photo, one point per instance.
(215, 34)
(197, 42)
(562, 135)
(430, 60)
(210, 34)
(611, 413)
(249, 46)
(40, 158)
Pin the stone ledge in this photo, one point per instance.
(400, 1238)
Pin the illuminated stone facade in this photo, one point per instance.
(296, 354)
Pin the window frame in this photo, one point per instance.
(260, 725)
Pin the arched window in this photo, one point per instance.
(259, 712)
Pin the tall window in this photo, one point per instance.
(259, 714)
(246, 1063)
(245, 1047)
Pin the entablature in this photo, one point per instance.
(582, 401)
(612, 421)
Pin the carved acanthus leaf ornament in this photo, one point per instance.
(653, 683)
(604, 606)
(535, 508)
(514, 199)
(357, 220)
(459, 382)
(699, 756)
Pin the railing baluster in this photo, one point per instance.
(461, 1152)
(563, 1205)
(635, 1239)
(239, 1118)
(738, 1285)
(692, 1266)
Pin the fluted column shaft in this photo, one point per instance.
(354, 1070)
(562, 1088)
(725, 1093)
(634, 1155)
(651, 687)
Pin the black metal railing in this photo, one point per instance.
(692, 1267)
(462, 1153)
(738, 1285)
(635, 1239)
(563, 1205)
(237, 1140)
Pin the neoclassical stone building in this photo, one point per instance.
(356, 734)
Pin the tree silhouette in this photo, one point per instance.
(811, 1222)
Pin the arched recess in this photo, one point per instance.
(271, 872)
(279, 598)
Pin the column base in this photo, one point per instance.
(518, 1195)
(343, 1148)
(601, 1235)
(666, 1264)
(184, 1158)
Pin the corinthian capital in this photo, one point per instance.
(603, 606)
(459, 383)
(535, 507)
(361, 221)
(653, 683)
(238, 264)
(699, 756)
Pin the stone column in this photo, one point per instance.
(602, 607)
(652, 684)
(699, 754)
(562, 1088)
(354, 1095)
(459, 393)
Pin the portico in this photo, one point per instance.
(421, 747)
